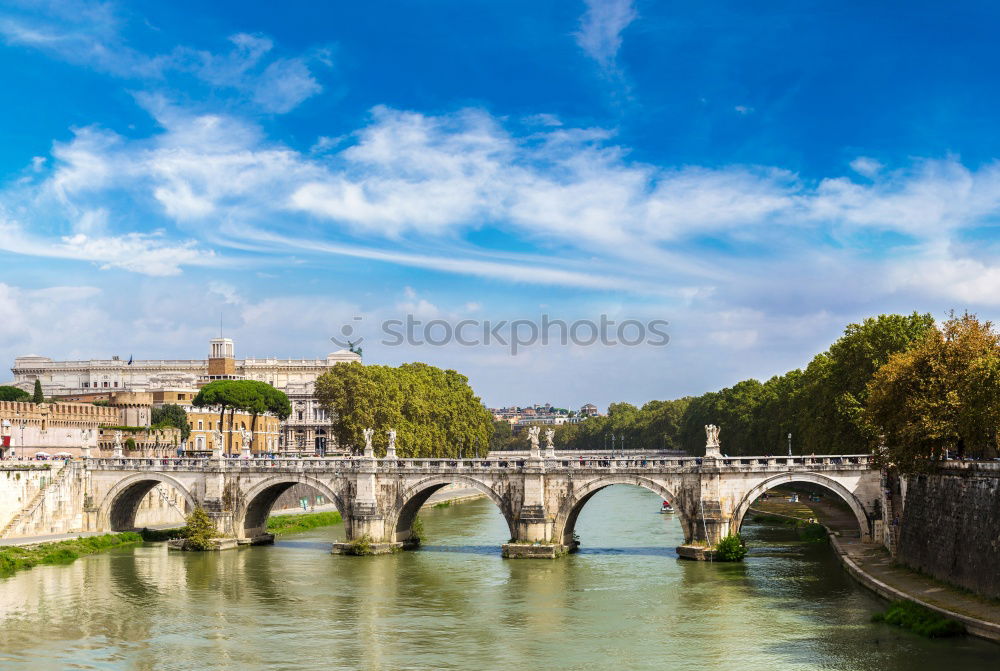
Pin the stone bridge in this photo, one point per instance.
(539, 496)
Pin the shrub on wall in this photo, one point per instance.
(731, 548)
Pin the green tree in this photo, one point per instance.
(38, 396)
(434, 412)
(8, 393)
(172, 415)
(503, 436)
(250, 396)
(942, 394)
(200, 530)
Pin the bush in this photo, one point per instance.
(201, 530)
(362, 547)
(919, 620)
(730, 548)
(813, 533)
(417, 531)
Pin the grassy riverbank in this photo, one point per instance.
(290, 524)
(15, 558)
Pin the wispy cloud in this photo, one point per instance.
(90, 34)
(601, 27)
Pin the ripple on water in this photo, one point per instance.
(624, 601)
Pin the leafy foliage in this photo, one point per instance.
(172, 415)
(942, 394)
(919, 620)
(821, 406)
(730, 548)
(200, 530)
(38, 396)
(434, 412)
(250, 396)
(8, 393)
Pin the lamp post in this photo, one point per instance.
(789, 443)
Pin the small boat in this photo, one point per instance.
(666, 508)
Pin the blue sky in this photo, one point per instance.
(757, 174)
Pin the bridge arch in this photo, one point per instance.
(416, 495)
(565, 522)
(794, 478)
(118, 509)
(255, 505)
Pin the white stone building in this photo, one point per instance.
(306, 430)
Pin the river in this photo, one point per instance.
(623, 602)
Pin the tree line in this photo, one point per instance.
(898, 385)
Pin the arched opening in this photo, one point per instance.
(278, 493)
(829, 502)
(569, 514)
(162, 500)
(416, 496)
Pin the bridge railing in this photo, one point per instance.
(350, 464)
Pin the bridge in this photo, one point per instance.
(540, 495)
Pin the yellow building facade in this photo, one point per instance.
(205, 427)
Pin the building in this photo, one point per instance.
(589, 410)
(29, 428)
(308, 429)
(204, 424)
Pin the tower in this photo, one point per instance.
(220, 359)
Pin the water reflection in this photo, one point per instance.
(624, 601)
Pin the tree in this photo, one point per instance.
(172, 415)
(435, 412)
(200, 530)
(944, 393)
(8, 393)
(38, 396)
(250, 396)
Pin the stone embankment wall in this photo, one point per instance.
(43, 501)
(950, 526)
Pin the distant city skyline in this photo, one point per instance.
(757, 177)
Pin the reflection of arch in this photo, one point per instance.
(255, 507)
(415, 496)
(117, 511)
(791, 478)
(569, 512)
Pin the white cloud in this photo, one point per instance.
(743, 109)
(865, 166)
(89, 34)
(136, 252)
(601, 27)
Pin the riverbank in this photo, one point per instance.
(872, 566)
(15, 558)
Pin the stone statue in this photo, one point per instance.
(533, 432)
(118, 444)
(246, 438)
(550, 447)
(712, 441)
(390, 452)
(368, 433)
(217, 445)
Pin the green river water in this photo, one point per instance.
(623, 602)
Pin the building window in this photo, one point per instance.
(300, 415)
(199, 424)
(105, 384)
(86, 384)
